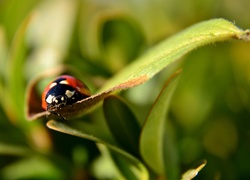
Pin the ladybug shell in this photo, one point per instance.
(64, 90)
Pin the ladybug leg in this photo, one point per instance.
(55, 113)
(58, 114)
(61, 116)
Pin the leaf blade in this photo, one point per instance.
(159, 57)
(122, 124)
(152, 143)
(193, 172)
(67, 129)
(171, 49)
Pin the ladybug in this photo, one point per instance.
(62, 91)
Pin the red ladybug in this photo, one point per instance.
(62, 91)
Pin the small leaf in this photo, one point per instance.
(35, 111)
(191, 173)
(122, 124)
(33, 99)
(155, 145)
(65, 128)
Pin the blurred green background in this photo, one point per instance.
(210, 110)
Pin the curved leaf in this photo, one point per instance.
(156, 144)
(191, 173)
(65, 128)
(14, 150)
(171, 49)
(3, 62)
(122, 124)
(13, 99)
(159, 57)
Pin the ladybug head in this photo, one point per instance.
(56, 101)
(60, 95)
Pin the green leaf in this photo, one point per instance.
(124, 165)
(66, 128)
(14, 150)
(191, 173)
(3, 59)
(156, 144)
(122, 124)
(172, 49)
(15, 90)
(159, 57)
(35, 167)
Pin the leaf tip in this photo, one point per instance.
(245, 36)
